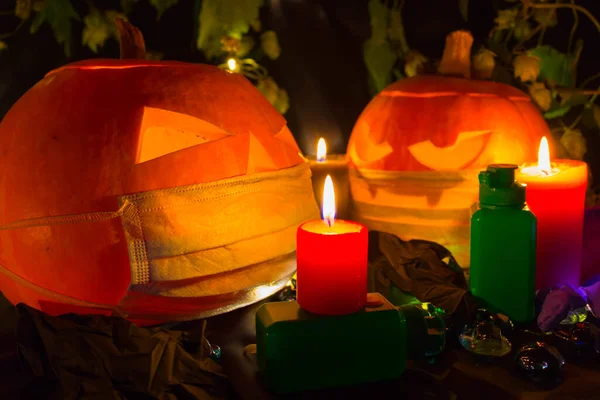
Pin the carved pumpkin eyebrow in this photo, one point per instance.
(164, 132)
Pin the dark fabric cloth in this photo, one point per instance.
(424, 269)
(98, 357)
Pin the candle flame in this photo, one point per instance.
(328, 201)
(232, 64)
(544, 157)
(321, 150)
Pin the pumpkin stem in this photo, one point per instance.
(456, 60)
(131, 40)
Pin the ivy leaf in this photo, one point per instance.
(270, 44)
(162, 6)
(396, 32)
(377, 51)
(463, 6)
(219, 18)
(413, 64)
(522, 30)
(541, 95)
(555, 67)
(379, 15)
(574, 143)
(483, 63)
(58, 13)
(527, 68)
(96, 30)
(380, 60)
(99, 27)
(556, 112)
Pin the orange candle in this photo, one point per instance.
(556, 195)
(332, 262)
(336, 166)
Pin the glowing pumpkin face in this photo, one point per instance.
(95, 130)
(418, 146)
(445, 124)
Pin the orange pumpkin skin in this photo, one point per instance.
(415, 125)
(70, 146)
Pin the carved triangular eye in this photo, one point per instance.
(467, 148)
(164, 132)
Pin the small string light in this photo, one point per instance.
(232, 64)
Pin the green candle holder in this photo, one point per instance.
(298, 351)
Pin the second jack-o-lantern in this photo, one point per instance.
(155, 190)
(417, 147)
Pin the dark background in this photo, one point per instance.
(321, 64)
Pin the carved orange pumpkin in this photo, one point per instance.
(418, 145)
(94, 131)
(446, 123)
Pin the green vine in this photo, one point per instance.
(225, 30)
(515, 54)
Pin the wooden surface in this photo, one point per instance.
(456, 375)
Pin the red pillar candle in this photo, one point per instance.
(556, 195)
(332, 262)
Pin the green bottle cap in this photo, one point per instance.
(497, 186)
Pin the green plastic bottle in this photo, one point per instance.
(503, 244)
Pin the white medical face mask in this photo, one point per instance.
(426, 205)
(199, 250)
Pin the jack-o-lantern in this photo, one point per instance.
(155, 190)
(417, 147)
